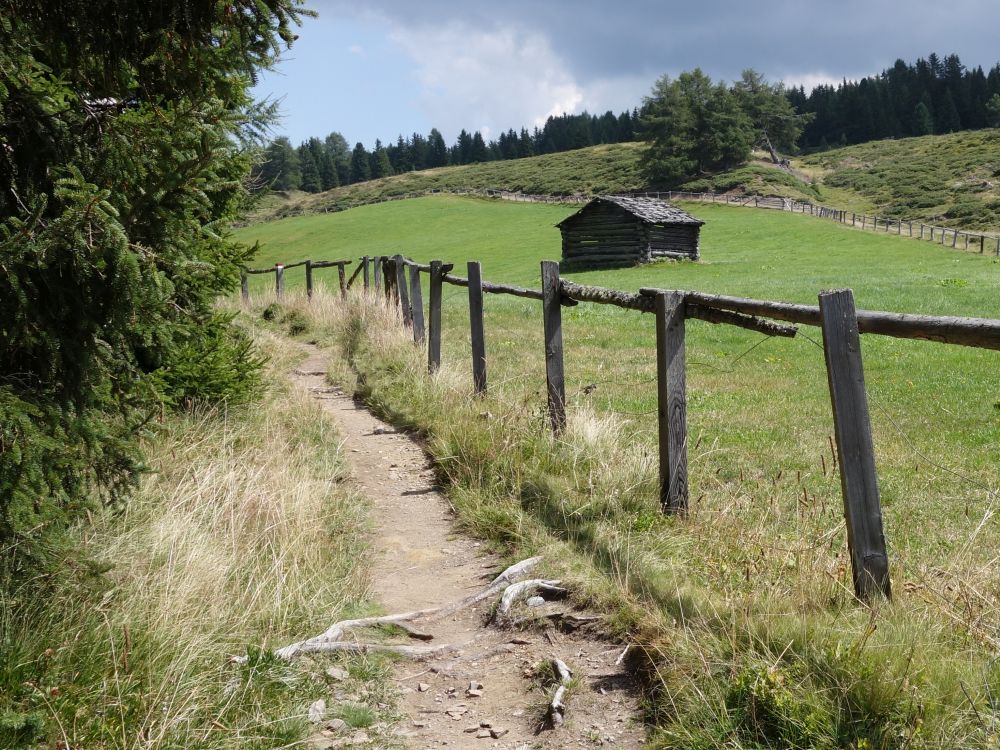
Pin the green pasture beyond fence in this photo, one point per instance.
(398, 279)
(944, 236)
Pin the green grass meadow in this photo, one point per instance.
(761, 403)
(766, 515)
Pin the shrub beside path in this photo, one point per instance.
(494, 690)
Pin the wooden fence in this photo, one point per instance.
(945, 236)
(398, 278)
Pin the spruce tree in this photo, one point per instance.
(281, 170)
(478, 151)
(923, 123)
(128, 137)
(379, 160)
(340, 153)
(361, 170)
(437, 151)
(310, 172)
(993, 111)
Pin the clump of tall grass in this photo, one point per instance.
(742, 614)
(240, 539)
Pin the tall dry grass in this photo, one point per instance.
(242, 537)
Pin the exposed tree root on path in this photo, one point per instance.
(331, 639)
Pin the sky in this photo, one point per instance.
(380, 68)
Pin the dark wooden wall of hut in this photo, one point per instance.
(603, 235)
(673, 240)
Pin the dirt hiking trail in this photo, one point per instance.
(495, 690)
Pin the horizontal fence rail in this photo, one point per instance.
(398, 279)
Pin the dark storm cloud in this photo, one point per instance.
(849, 38)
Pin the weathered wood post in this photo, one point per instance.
(434, 317)
(279, 281)
(954, 238)
(365, 279)
(401, 292)
(342, 278)
(309, 279)
(852, 425)
(377, 267)
(389, 280)
(555, 377)
(477, 328)
(244, 287)
(416, 305)
(671, 397)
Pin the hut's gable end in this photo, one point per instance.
(602, 234)
(673, 240)
(617, 230)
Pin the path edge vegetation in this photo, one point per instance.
(718, 672)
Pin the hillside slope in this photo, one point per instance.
(949, 180)
(596, 170)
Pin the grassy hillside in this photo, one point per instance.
(589, 171)
(754, 639)
(951, 180)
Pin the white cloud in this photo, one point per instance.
(499, 78)
(808, 81)
(357, 49)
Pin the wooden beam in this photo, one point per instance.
(855, 448)
(357, 272)
(417, 306)
(671, 402)
(982, 333)
(309, 279)
(434, 317)
(399, 283)
(555, 378)
(477, 328)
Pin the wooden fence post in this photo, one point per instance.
(555, 377)
(671, 397)
(416, 305)
(401, 291)
(377, 268)
(309, 279)
(477, 327)
(389, 280)
(279, 281)
(342, 278)
(366, 280)
(434, 318)
(852, 424)
(245, 288)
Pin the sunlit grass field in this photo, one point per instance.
(766, 515)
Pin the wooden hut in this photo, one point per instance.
(619, 231)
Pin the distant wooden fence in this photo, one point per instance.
(945, 236)
(398, 278)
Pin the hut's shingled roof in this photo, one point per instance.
(649, 210)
